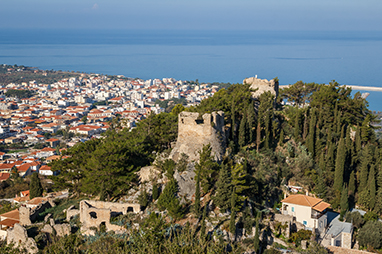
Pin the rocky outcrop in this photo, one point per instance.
(62, 229)
(147, 174)
(19, 237)
(261, 86)
(186, 183)
(194, 132)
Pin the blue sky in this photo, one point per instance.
(193, 14)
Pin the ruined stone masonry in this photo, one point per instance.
(262, 86)
(195, 132)
(19, 237)
(96, 213)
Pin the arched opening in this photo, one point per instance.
(93, 215)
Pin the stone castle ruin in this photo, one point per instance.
(195, 132)
(261, 86)
(96, 213)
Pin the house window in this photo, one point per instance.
(305, 222)
(292, 209)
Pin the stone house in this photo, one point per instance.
(309, 211)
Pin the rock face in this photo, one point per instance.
(195, 132)
(146, 174)
(19, 237)
(186, 182)
(262, 86)
(62, 229)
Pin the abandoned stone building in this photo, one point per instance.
(93, 214)
(194, 132)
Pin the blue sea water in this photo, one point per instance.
(349, 57)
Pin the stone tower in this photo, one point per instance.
(195, 132)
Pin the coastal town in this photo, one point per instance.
(60, 114)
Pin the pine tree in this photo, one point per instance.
(223, 189)
(197, 195)
(168, 200)
(103, 194)
(35, 187)
(372, 187)
(243, 131)
(340, 166)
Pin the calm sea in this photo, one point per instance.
(224, 56)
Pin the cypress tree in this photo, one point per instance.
(256, 241)
(233, 118)
(340, 166)
(251, 120)
(35, 187)
(352, 184)
(281, 141)
(378, 198)
(364, 170)
(372, 188)
(320, 187)
(203, 224)
(223, 189)
(232, 223)
(344, 200)
(312, 134)
(197, 195)
(268, 128)
(321, 162)
(358, 141)
(155, 193)
(242, 131)
(305, 129)
(297, 126)
(258, 135)
(330, 157)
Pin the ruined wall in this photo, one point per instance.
(262, 86)
(71, 212)
(19, 237)
(95, 213)
(28, 215)
(194, 132)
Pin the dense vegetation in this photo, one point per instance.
(323, 142)
(20, 94)
(19, 74)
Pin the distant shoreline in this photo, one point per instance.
(360, 88)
